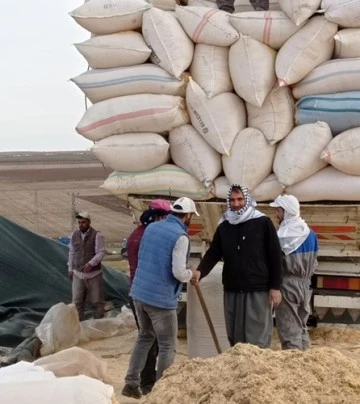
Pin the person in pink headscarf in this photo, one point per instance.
(158, 210)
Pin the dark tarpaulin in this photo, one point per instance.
(33, 277)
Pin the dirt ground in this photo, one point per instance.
(116, 351)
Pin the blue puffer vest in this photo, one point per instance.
(154, 283)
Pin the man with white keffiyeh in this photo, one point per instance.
(299, 245)
(247, 242)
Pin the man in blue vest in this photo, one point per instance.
(162, 268)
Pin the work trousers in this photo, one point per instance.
(154, 323)
(228, 5)
(248, 318)
(91, 290)
(148, 374)
(293, 313)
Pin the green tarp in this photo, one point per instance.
(33, 277)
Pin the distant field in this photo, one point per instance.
(40, 191)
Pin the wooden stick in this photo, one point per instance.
(208, 319)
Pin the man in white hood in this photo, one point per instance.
(299, 245)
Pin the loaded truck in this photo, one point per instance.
(336, 283)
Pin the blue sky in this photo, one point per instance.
(40, 107)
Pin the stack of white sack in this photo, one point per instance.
(188, 99)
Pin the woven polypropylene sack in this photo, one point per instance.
(298, 155)
(190, 151)
(103, 17)
(299, 10)
(312, 45)
(273, 28)
(133, 113)
(343, 152)
(275, 118)
(102, 84)
(347, 43)
(115, 50)
(210, 69)
(346, 13)
(251, 159)
(171, 47)
(133, 151)
(207, 25)
(211, 118)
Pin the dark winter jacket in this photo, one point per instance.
(251, 253)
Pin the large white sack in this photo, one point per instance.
(166, 180)
(200, 341)
(343, 152)
(171, 47)
(298, 155)
(252, 69)
(210, 69)
(208, 26)
(328, 184)
(312, 45)
(268, 190)
(116, 50)
(251, 159)
(133, 113)
(334, 76)
(166, 5)
(70, 390)
(133, 151)
(275, 118)
(103, 17)
(273, 28)
(73, 362)
(102, 84)
(219, 119)
(299, 10)
(346, 13)
(347, 43)
(190, 151)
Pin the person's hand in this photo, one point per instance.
(87, 267)
(275, 297)
(195, 277)
(71, 274)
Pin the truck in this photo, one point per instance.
(336, 283)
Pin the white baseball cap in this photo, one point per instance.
(83, 215)
(184, 205)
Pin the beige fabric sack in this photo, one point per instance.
(251, 159)
(102, 17)
(166, 5)
(210, 69)
(172, 49)
(346, 13)
(273, 28)
(335, 76)
(275, 118)
(268, 190)
(116, 50)
(299, 10)
(298, 155)
(166, 180)
(327, 184)
(211, 117)
(102, 84)
(190, 151)
(347, 43)
(343, 152)
(133, 151)
(133, 113)
(252, 69)
(312, 45)
(208, 26)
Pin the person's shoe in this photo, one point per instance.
(146, 390)
(130, 391)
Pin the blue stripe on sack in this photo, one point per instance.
(108, 83)
(326, 76)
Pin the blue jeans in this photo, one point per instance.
(154, 323)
